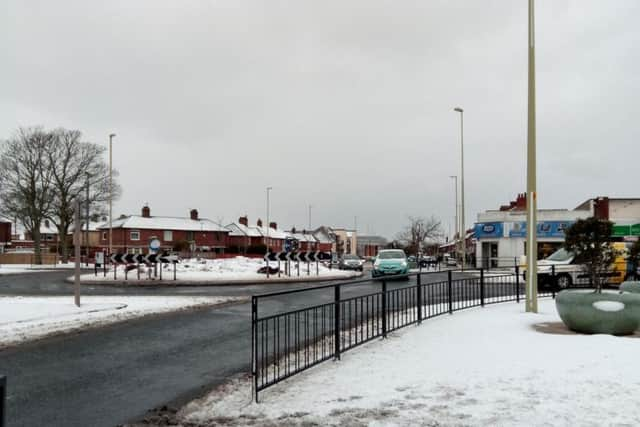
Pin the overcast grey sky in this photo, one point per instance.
(346, 105)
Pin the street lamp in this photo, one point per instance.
(455, 183)
(463, 231)
(532, 244)
(268, 226)
(111, 193)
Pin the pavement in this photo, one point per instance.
(115, 374)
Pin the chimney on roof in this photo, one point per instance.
(521, 202)
(601, 207)
(244, 220)
(146, 211)
(194, 214)
(273, 225)
(259, 223)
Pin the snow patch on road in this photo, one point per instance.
(27, 318)
(484, 366)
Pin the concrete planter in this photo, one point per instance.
(599, 313)
(633, 287)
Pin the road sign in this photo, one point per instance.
(154, 244)
(140, 258)
(282, 256)
(323, 256)
(100, 258)
(300, 256)
(116, 258)
(271, 256)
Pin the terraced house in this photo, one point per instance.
(133, 233)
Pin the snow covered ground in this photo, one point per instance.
(27, 318)
(492, 366)
(227, 269)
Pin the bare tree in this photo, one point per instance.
(76, 166)
(26, 192)
(419, 232)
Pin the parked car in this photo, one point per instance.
(350, 262)
(427, 261)
(390, 262)
(568, 273)
(412, 261)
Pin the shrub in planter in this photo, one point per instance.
(596, 312)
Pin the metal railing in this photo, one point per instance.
(3, 399)
(286, 343)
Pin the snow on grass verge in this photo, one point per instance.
(488, 366)
(221, 270)
(31, 268)
(27, 318)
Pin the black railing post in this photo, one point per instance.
(554, 281)
(419, 297)
(336, 326)
(3, 398)
(450, 291)
(254, 344)
(482, 287)
(384, 308)
(517, 283)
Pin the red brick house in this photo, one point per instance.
(244, 238)
(306, 241)
(133, 233)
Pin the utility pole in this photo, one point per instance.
(86, 243)
(77, 243)
(111, 193)
(463, 231)
(455, 183)
(268, 225)
(532, 244)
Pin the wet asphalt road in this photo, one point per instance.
(115, 374)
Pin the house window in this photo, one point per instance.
(168, 236)
(134, 235)
(190, 236)
(49, 237)
(104, 235)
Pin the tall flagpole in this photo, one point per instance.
(532, 246)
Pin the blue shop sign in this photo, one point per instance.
(489, 229)
(544, 229)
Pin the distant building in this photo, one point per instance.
(501, 234)
(343, 241)
(133, 233)
(244, 238)
(370, 245)
(90, 233)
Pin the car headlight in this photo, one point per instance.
(403, 263)
(376, 264)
